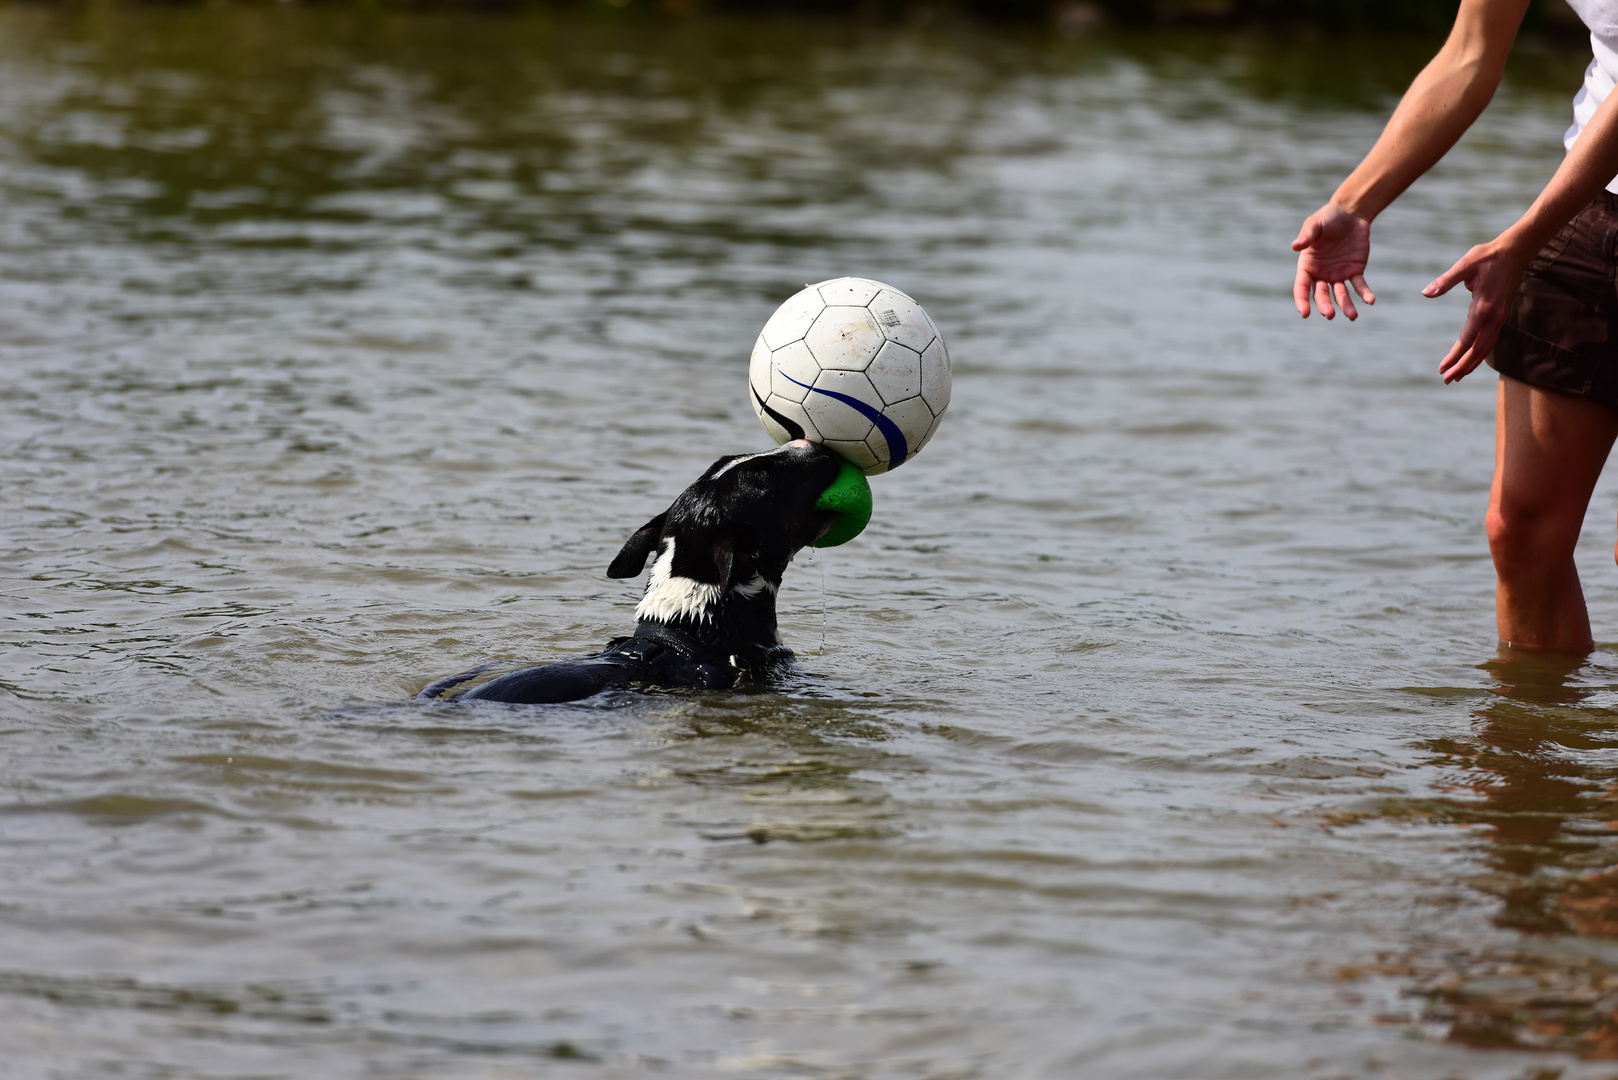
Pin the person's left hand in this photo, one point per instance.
(1491, 273)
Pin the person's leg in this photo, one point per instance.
(1549, 450)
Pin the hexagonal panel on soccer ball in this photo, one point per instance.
(845, 338)
(902, 319)
(913, 419)
(850, 290)
(857, 452)
(793, 370)
(792, 319)
(896, 372)
(837, 419)
(935, 377)
(788, 410)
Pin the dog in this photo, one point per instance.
(707, 618)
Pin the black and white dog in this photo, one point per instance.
(708, 615)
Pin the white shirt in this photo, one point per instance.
(1601, 16)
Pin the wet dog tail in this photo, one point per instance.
(437, 689)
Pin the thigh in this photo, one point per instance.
(1549, 450)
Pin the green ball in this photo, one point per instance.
(850, 498)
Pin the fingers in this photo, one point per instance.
(1485, 345)
(1465, 269)
(1478, 334)
(1464, 346)
(1308, 234)
(1446, 281)
(1457, 362)
(1492, 275)
(1454, 367)
(1333, 245)
(1300, 292)
(1443, 284)
(1345, 301)
(1464, 364)
(1467, 352)
(1304, 287)
(1323, 299)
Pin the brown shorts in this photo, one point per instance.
(1562, 333)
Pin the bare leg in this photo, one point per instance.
(1548, 454)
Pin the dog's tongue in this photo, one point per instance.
(849, 497)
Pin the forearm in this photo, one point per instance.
(1431, 118)
(1493, 271)
(1443, 101)
(1588, 168)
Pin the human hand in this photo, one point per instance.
(1491, 273)
(1333, 247)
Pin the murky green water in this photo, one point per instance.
(1144, 733)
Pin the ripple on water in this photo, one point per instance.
(1142, 734)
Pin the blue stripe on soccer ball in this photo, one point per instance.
(898, 449)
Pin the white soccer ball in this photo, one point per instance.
(856, 365)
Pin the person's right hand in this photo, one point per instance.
(1333, 247)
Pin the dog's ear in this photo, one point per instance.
(632, 559)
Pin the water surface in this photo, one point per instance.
(1155, 728)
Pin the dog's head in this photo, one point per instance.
(732, 532)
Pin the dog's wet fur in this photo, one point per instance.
(707, 618)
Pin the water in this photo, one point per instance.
(1158, 729)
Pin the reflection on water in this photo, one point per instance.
(1541, 773)
(341, 349)
(1535, 782)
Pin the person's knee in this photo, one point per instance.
(1524, 539)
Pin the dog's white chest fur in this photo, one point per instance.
(669, 596)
